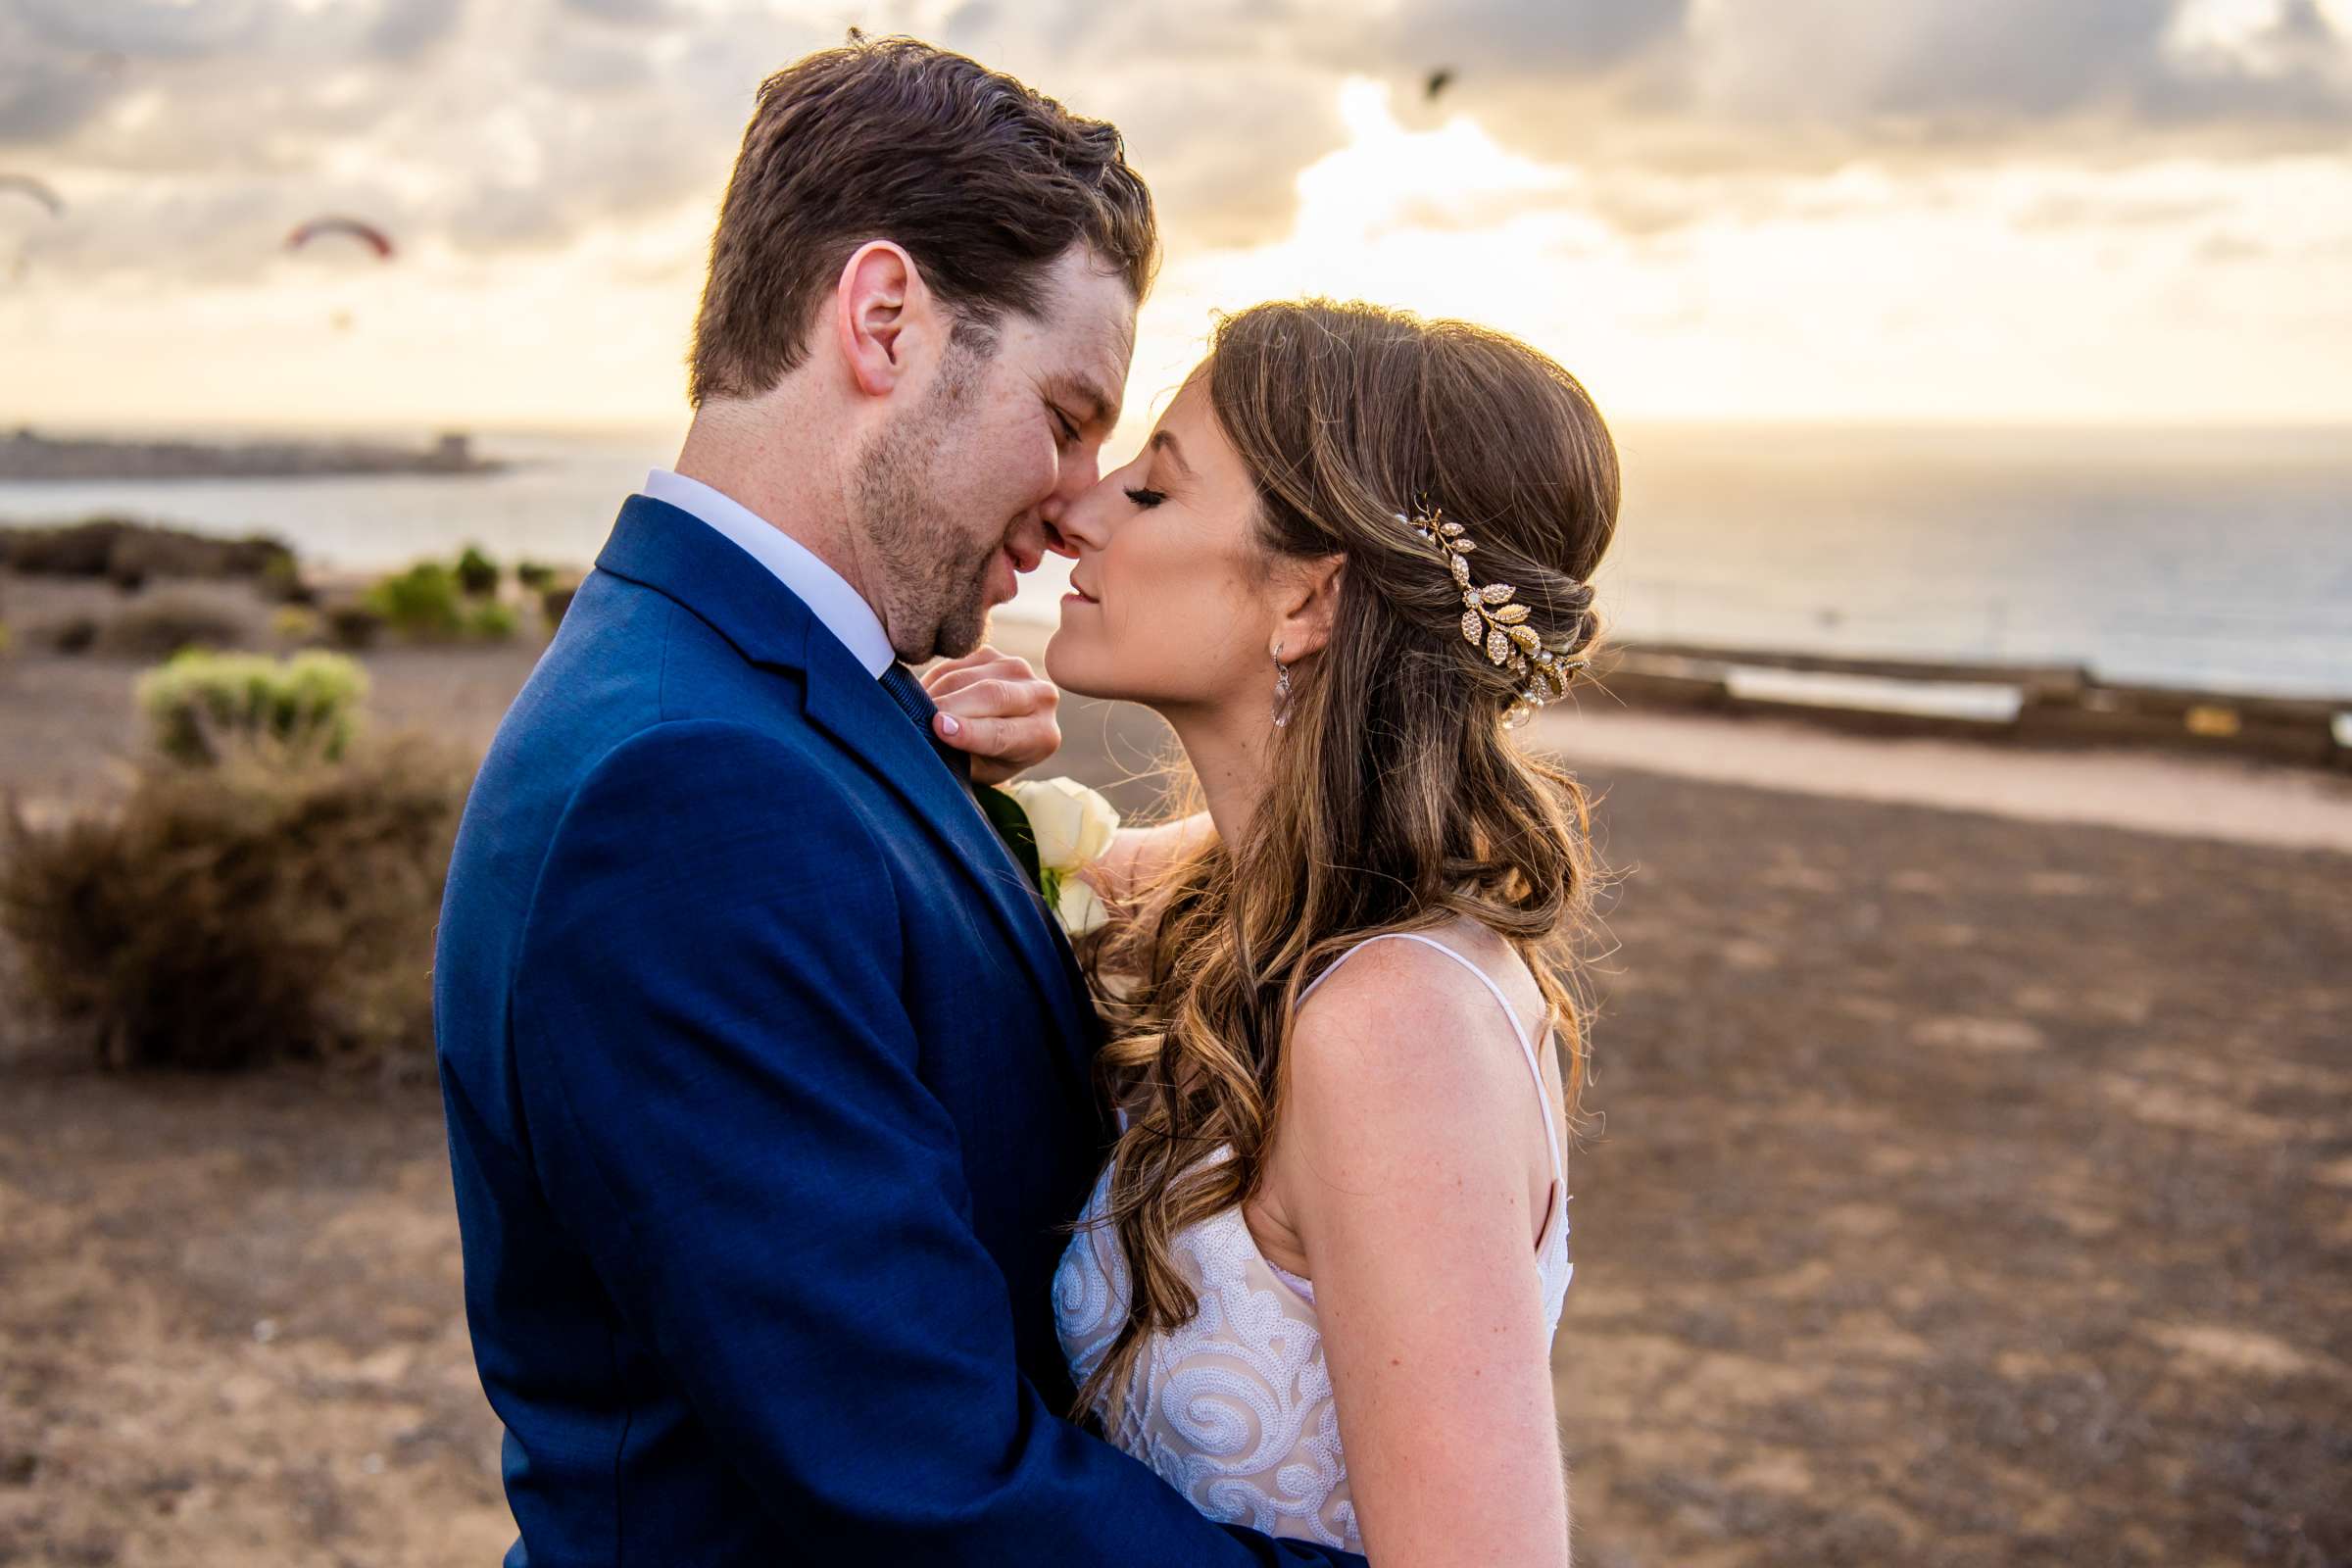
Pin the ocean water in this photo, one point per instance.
(2218, 558)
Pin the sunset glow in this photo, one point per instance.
(1846, 213)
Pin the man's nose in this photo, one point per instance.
(1077, 475)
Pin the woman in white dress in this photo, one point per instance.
(1317, 1286)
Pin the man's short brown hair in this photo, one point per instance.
(983, 181)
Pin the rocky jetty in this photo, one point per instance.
(30, 455)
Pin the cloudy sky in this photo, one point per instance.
(1931, 210)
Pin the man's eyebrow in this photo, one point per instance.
(1163, 441)
(1099, 407)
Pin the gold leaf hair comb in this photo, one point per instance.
(1494, 622)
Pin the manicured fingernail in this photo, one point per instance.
(950, 725)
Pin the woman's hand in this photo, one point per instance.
(995, 709)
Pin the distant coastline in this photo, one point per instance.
(29, 455)
(2211, 563)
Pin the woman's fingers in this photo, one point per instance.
(996, 708)
(982, 662)
(964, 680)
(997, 697)
(1005, 726)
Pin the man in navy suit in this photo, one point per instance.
(767, 1074)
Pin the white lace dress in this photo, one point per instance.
(1234, 1408)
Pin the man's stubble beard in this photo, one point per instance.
(934, 575)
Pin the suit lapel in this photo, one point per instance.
(845, 702)
(685, 558)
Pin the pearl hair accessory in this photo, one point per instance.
(1496, 623)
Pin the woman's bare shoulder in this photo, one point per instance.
(1400, 1026)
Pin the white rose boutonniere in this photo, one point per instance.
(1069, 826)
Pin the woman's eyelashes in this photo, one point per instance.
(1147, 499)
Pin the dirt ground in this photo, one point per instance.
(1961, 1190)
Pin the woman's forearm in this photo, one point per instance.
(1138, 855)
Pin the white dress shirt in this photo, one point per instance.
(827, 594)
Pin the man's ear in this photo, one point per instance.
(881, 316)
(1308, 606)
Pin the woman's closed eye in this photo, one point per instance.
(1147, 499)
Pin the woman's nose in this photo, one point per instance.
(1083, 521)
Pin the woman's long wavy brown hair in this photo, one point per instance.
(1397, 799)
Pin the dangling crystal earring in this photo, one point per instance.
(1281, 689)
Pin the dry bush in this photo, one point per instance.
(224, 917)
(161, 626)
(76, 634)
(79, 551)
(477, 574)
(298, 625)
(352, 625)
(146, 552)
(280, 581)
(128, 552)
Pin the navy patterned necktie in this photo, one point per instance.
(897, 682)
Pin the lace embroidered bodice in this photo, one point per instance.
(1233, 1407)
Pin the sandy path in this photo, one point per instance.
(2242, 802)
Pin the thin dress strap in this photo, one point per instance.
(1534, 1064)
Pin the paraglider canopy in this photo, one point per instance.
(35, 189)
(367, 234)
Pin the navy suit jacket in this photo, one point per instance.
(768, 1087)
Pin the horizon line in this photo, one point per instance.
(423, 429)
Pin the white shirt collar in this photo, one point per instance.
(827, 594)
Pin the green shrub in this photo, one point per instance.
(224, 917)
(420, 602)
(535, 576)
(352, 625)
(203, 707)
(554, 602)
(492, 622)
(477, 574)
(161, 626)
